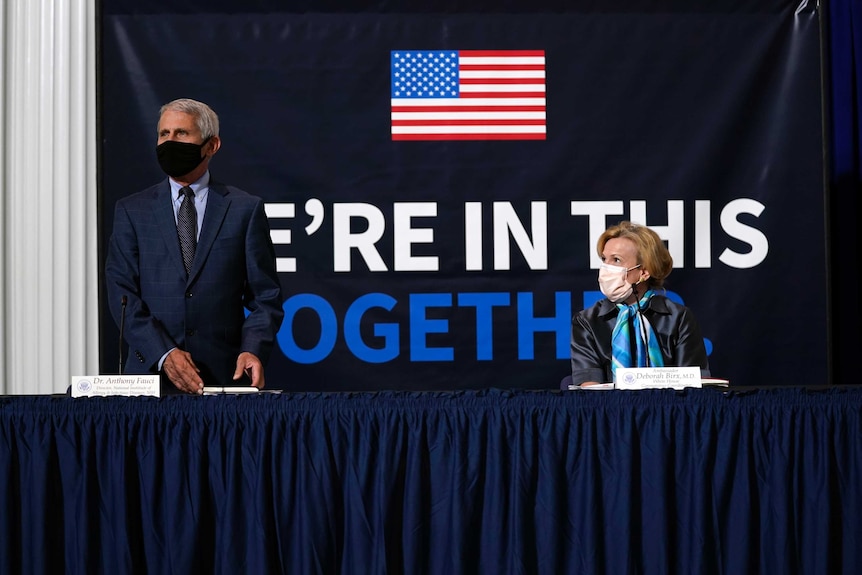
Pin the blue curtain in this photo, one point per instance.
(476, 482)
(845, 65)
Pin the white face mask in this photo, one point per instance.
(612, 282)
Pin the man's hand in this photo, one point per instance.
(249, 364)
(183, 372)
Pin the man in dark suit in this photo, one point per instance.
(186, 259)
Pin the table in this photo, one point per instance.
(491, 481)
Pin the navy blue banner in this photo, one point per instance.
(419, 257)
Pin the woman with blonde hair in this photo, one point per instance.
(635, 326)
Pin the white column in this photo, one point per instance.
(4, 311)
(48, 247)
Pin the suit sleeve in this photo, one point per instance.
(146, 337)
(262, 296)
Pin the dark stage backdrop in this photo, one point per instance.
(424, 257)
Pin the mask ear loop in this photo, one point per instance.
(635, 287)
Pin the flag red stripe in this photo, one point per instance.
(469, 136)
(500, 67)
(453, 122)
(500, 53)
(502, 80)
(467, 95)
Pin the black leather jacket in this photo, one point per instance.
(674, 324)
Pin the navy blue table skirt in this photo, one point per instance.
(699, 481)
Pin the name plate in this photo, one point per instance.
(125, 385)
(658, 377)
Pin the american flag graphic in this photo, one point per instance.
(468, 95)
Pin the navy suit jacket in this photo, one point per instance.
(204, 313)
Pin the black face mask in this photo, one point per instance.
(179, 158)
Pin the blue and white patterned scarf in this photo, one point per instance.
(648, 352)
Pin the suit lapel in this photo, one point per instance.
(167, 222)
(217, 205)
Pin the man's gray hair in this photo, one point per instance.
(205, 118)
